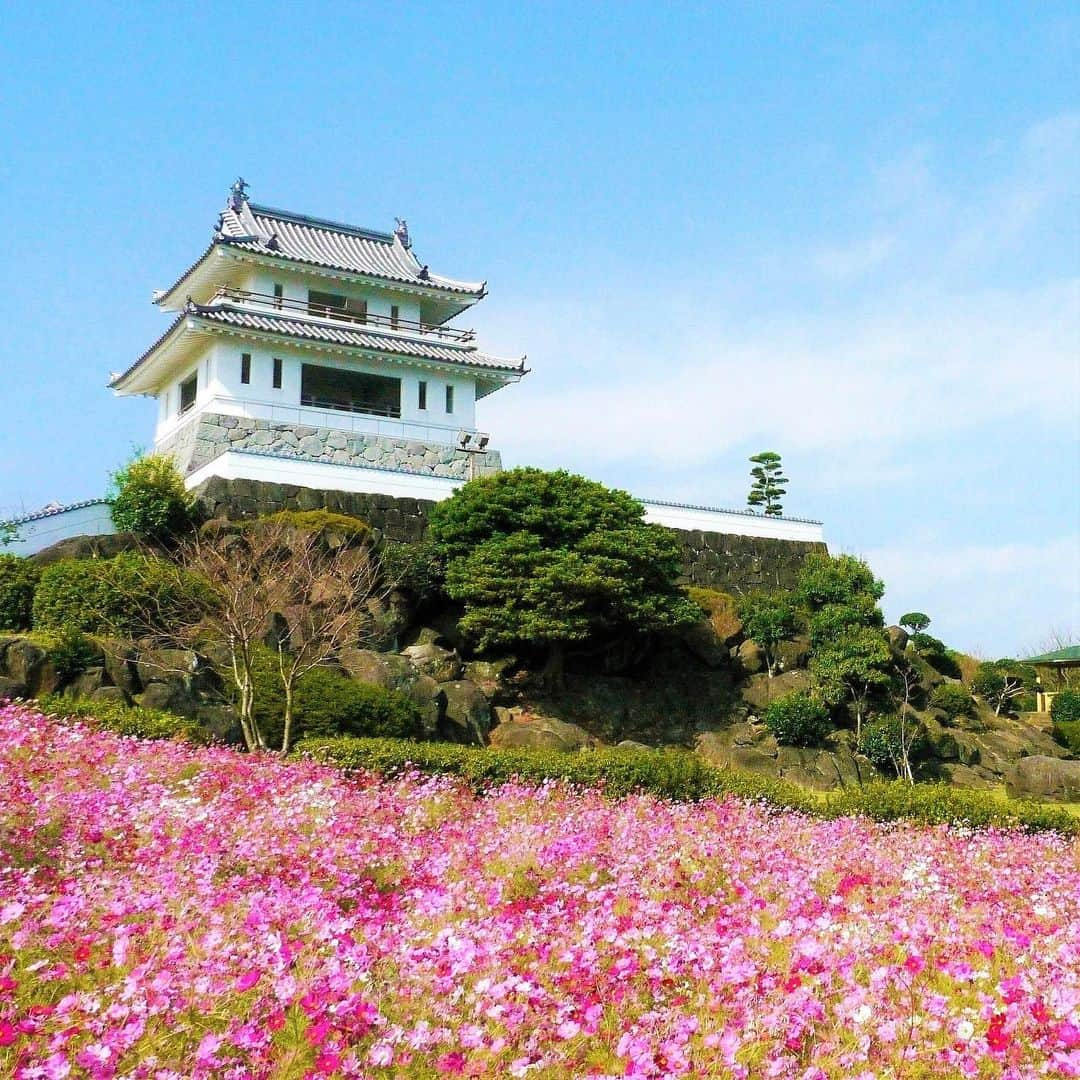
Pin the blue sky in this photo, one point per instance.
(846, 232)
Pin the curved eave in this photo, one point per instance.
(159, 364)
(213, 268)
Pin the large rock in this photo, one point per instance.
(491, 675)
(29, 664)
(121, 666)
(86, 682)
(430, 700)
(443, 665)
(751, 657)
(172, 697)
(114, 694)
(527, 731)
(759, 690)
(10, 689)
(898, 638)
(1042, 777)
(88, 547)
(388, 670)
(467, 714)
(794, 653)
(222, 723)
(703, 641)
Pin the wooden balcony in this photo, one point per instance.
(284, 306)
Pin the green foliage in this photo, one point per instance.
(797, 719)
(936, 654)
(150, 499)
(116, 595)
(888, 740)
(682, 776)
(952, 699)
(18, 580)
(831, 622)
(72, 652)
(765, 490)
(328, 704)
(323, 521)
(1067, 732)
(843, 580)
(550, 558)
(131, 720)
(415, 568)
(940, 804)
(853, 664)
(915, 621)
(768, 619)
(1000, 682)
(9, 533)
(1065, 708)
(673, 774)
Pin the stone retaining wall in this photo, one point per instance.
(211, 434)
(716, 560)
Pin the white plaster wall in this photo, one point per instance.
(727, 521)
(33, 536)
(234, 465)
(220, 390)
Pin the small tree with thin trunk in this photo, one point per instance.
(768, 476)
(1001, 681)
(851, 668)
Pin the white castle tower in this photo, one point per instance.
(314, 353)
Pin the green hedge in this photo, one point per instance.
(1065, 708)
(1067, 732)
(675, 774)
(130, 720)
(18, 580)
(683, 776)
(107, 595)
(940, 804)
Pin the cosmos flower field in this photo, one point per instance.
(169, 911)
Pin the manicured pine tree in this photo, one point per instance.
(766, 488)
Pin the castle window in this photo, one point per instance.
(449, 399)
(350, 391)
(245, 367)
(279, 294)
(277, 372)
(421, 394)
(395, 315)
(189, 388)
(324, 303)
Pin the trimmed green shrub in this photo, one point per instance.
(18, 580)
(940, 804)
(72, 652)
(330, 704)
(1065, 708)
(115, 595)
(952, 699)
(797, 719)
(343, 525)
(415, 568)
(682, 776)
(150, 499)
(130, 720)
(674, 774)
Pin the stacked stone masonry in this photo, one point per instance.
(212, 434)
(716, 560)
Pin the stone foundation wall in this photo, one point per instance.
(738, 564)
(211, 434)
(722, 561)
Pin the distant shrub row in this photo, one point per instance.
(683, 776)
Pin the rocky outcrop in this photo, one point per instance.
(466, 716)
(1041, 777)
(519, 730)
(88, 547)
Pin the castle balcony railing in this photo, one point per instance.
(282, 305)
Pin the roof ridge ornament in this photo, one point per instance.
(238, 194)
(402, 233)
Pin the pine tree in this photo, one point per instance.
(768, 478)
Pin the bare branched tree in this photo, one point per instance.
(308, 593)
